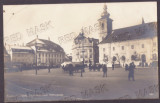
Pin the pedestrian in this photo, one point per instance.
(98, 67)
(49, 67)
(71, 69)
(94, 67)
(126, 67)
(104, 70)
(89, 67)
(112, 66)
(131, 71)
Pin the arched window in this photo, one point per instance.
(154, 56)
(123, 58)
(114, 59)
(133, 57)
(143, 58)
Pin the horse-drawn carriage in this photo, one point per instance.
(95, 67)
(72, 66)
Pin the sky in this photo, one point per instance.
(62, 19)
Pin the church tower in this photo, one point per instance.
(105, 24)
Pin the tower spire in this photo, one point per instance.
(105, 13)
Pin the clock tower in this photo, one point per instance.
(105, 24)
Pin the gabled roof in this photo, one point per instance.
(46, 44)
(21, 49)
(142, 31)
(81, 36)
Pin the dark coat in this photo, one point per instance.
(131, 69)
(104, 68)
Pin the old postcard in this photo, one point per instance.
(81, 51)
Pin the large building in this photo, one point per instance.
(85, 48)
(136, 43)
(7, 58)
(20, 56)
(47, 52)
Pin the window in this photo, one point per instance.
(122, 47)
(102, 26)
(103, 49)
(132, 46)
(86, 56)
(113, 48)
(154, 56)
(90, 50)
(86, 61)
(142, 45)
(90, 56)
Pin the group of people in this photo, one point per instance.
(95, 67)
(70, 68)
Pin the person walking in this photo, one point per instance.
(49, 67)
(131, 71)
(104, 70)
(112, 66)
(70, 69)
(89, 67)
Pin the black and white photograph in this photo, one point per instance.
(80, 51)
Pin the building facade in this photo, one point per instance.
(20, 56)
(85, 48)
(47, 53)
(136, 43)
(7, 58)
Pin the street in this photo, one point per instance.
(58, 86)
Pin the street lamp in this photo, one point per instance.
(36, 56)
(81, 39)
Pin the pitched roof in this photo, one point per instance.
(47, 45)
(81, 36)
(147, 30)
